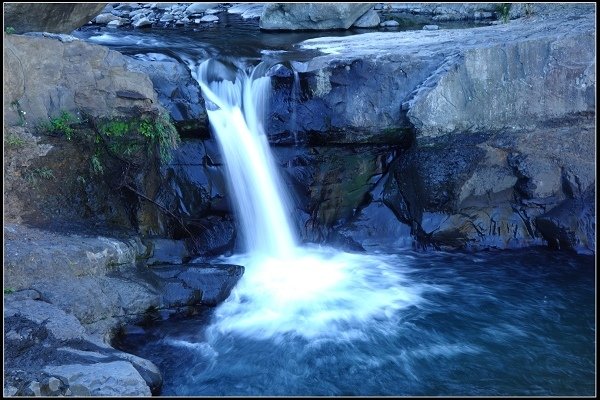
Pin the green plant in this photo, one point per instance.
(17, 106)
(9, 290)
(96, 164)
(36, 174)
(9, 30)
(503, 10)
(161, 132)
(14, 141)
(63, 124)
(125, 138)
(115, 128)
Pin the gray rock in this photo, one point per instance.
(67, 83)
(54, 384)
(524, 77)
(139, 11)
(247, 10)
(164, 6)
(61, 325)
(315, 16)
(142, 22)
(214, 282)
(167, 17)
(106, 18)
(35, 388)
(117, 378)
(431, 27)
(377, 226)
(209, 18)
(370, 19)
(10, 391)
(49, 17)
(115, 23)
(166, 251)
(197, 8)
(146, 368)
(390, 24)
(177, 91)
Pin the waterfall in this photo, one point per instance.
(236, 104)
(311, 291)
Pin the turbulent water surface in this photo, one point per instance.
(412, 323)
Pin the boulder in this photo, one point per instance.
(177, 91)
(116, 378)
(105, 18)
(49, 17)
(247, 10)
(198, 8)
(311, 16)
(370, 19)
(72, 76)
(195, 284)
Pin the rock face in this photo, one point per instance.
(501, 82)
(66, 296)
(501, 117)
(177, 91)
(311, 16)
(55, 18)
(370, 19)
(71, 76)
(372, 84)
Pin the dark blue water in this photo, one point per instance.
(510, 323)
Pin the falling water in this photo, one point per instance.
(237, 106)
(309, 291)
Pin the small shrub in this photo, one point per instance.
(9, 30)
(503, 10)
(36, 174)
(17, 106)
(14, 141)
(62, 125)
(96, 164)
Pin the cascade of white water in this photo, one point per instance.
(309, 291)
(236, 116)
